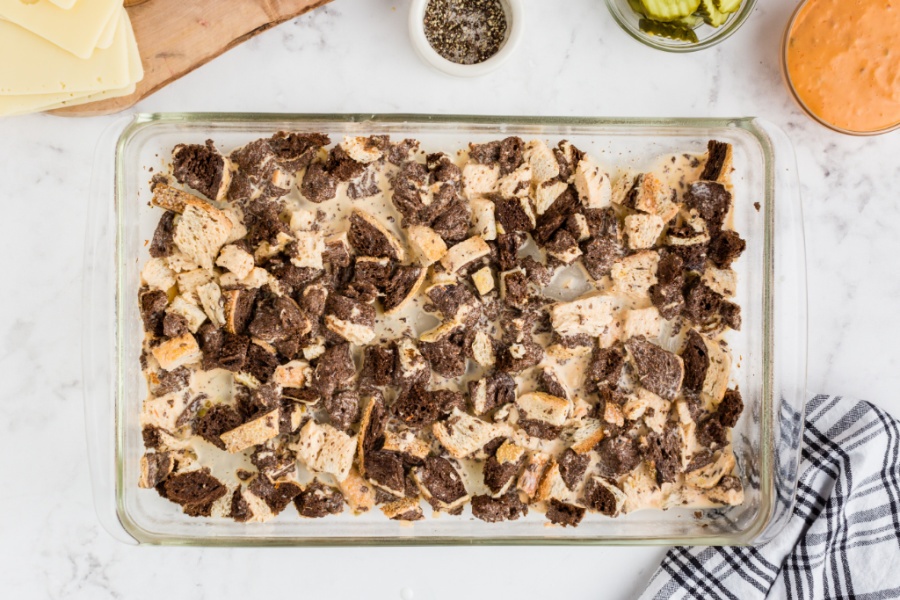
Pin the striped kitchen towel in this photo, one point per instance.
(843, 539)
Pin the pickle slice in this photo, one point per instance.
(712, 15)
(636, 6)
(691, 21)
(728, 6)
(672, 30)
(669, 10)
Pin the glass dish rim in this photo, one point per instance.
(747, 536)
(789, 83)
(723, 34)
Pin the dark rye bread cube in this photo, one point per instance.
(334, 370)
(370, 240)
(277, 495)
(507, 153)
(174, 325)
(416, 407)
(447, 355)
(441, 482)
(511, 214)
(195, 491)
(318, 185)
(216, 421)
(572, 467)
(696, 361)
(664, 453)
(163, 242)
(409, 184)
(718, 161)
(561, 513)
(659, 371)
(343, 409)
(666, 294)
(202, 168)
(725, 248)
(598, 498)
(293, 151)
(617, 456)
(401, 287)
(712, 200)
(706, 308)
(606, 366)
(239, 307)
(385, 470)
(319, 500)
(153, 305)
(555, 216)
(378, 365)
(454, 222)
(498, 475)
(494, 510)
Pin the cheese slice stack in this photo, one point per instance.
(56, 53)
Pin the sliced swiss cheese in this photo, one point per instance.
(77, 29)
(42, 68)
(109, 31)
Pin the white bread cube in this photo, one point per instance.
(544, 407)
(325, 449)
(589, 315)
(517, 183)
(484, 221)
(483, 280)
(592, 184)
(157, 275)
(359, 493)
(462, 434)
(642, 321)
(201, 232)
(643, 230)
(541, 160)
(295, 374)
(251, 433)
(210, 296)
(426, 245)
(479, 180)
(193, 314)
(582, 232)
(633, 275)
(189, 281)
(361, 149)
(721, 281)
(464, 253)
(302, 219)
(235, 259)
(310, 249)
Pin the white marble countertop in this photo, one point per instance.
(354, 56)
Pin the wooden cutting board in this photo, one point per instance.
(177, 36)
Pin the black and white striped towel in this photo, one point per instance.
(843, 539)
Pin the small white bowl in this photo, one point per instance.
(514, 10)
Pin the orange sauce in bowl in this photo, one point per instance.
(842, 58)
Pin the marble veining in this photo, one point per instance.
(354, 56)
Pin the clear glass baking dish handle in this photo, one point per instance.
(789, 343)
(99, 362)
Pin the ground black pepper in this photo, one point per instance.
(466, 32)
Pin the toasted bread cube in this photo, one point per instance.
(361, 149)
(210, 296)
(177, 352)
(201, 232)
(295, 374)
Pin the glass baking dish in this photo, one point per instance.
(770, 351)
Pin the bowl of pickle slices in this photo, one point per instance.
(680, 25)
